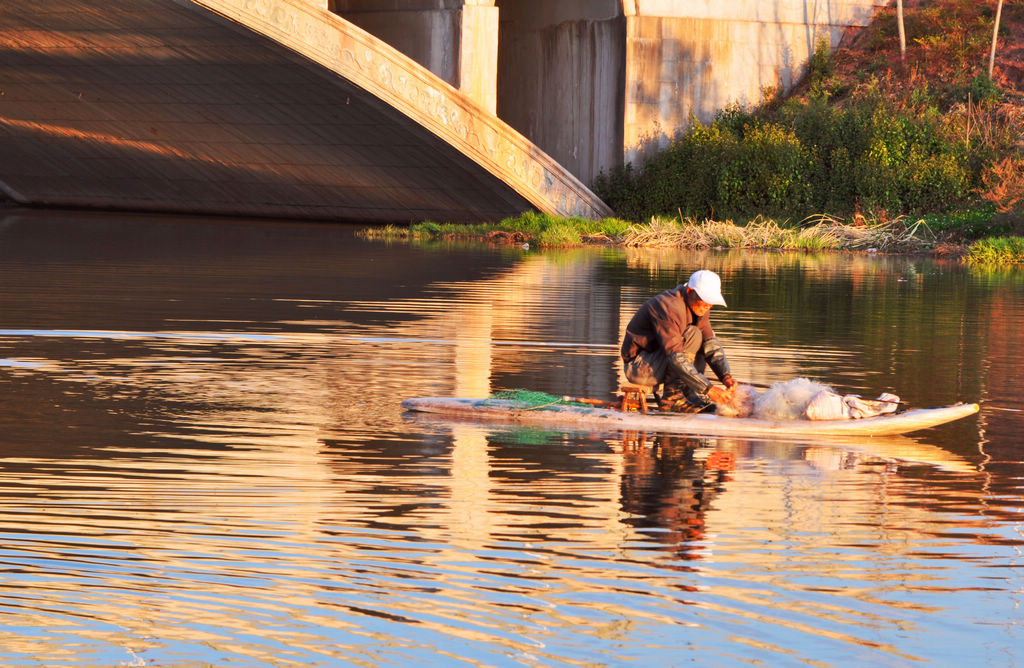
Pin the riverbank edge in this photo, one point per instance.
(817, 234)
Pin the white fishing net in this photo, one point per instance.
(802, 399)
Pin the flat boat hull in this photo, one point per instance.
(582, 417)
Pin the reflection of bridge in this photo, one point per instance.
(286, 108)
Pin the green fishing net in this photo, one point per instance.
(531, 398)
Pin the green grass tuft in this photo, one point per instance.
(531, 227)
(997, 251)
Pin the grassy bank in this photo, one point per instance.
(814, 234)
(820, 233)
(532, 228)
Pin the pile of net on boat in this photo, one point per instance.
(803, 399)
(797, 399)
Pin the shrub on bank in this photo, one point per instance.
(800, 159)
(976, 223)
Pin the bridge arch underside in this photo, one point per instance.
(160, 106)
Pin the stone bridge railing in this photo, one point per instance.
(389, 75)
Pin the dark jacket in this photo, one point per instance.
(660, 322)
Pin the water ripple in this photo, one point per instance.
(203, 459)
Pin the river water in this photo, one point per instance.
(203, 459)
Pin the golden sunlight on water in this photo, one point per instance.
(205, 460)
(263, 556)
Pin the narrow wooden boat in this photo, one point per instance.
(586, 417)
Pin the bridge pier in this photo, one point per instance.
(596, 83)
(561, 79)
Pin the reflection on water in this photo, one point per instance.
(204, 458)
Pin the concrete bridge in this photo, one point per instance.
(432, 109)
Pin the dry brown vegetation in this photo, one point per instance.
(1004, 184)
(818, 233)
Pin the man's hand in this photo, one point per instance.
(729, 381)
(720, 395)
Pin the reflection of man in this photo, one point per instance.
(667, 487)
(670, 341)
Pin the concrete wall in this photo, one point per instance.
(697, 57)
(561, 78)
(455, 39)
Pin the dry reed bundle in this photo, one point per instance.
(892, 235)
(661, 232)
(817, 233)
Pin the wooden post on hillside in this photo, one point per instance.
(903, 33)
(995, 36)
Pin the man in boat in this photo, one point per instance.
(670, 341)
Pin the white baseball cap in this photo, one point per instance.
(708, 286)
